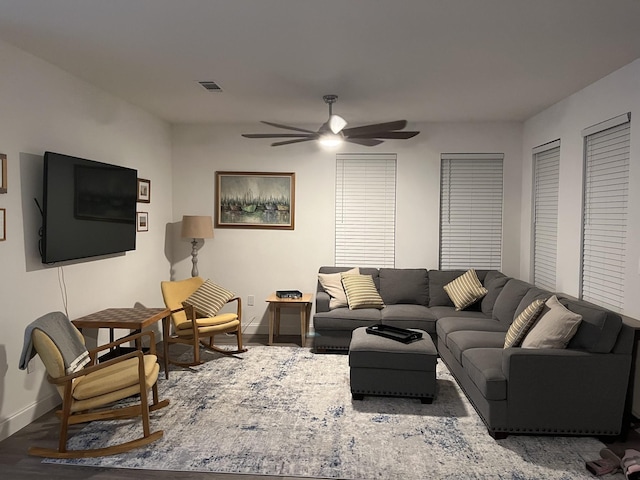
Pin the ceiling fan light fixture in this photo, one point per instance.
(336, 123)
(330, 140)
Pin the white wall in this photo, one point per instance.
(613, 95)
(44, 108)
(258, 262)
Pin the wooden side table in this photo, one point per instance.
(303, 304)
(134, 319)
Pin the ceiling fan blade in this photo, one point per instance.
(375, 128)
(287, 127)
(289, 142)
(275, 135)
(403, 135)
(367, 142)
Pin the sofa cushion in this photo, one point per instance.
(484, 366)
(409, 316)
(363, 271)
(361, 292)
(523, 323)
(465, 290)
(332, 284)
(345, 319)
(508, 300)
(404, 285)
(462, 340)
(441, 312)
(534, 293)
(493, 282)
(448, 325)
(599, 328)
(555, 327)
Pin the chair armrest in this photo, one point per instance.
(96, 367)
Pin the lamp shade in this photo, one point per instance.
(197, 226)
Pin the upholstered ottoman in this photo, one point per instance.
(382, 366)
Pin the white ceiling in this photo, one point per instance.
(421, 60)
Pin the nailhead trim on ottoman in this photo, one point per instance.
(382, 366)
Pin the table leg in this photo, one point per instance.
(303, 326)
(271, 319)
(277, 320)
(165, 345)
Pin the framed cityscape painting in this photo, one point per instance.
(255, 200)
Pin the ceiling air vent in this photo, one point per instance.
(210, 86)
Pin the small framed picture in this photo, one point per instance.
(3, 173)
(3, 224)
(144, 190)
(142, 221)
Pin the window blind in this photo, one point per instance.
(365, 205)
(471, 211)
(606, 185)
(545, 215)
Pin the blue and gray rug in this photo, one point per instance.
(286, 411)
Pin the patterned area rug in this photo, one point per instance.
(286, 411)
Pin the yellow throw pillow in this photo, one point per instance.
(521, 325)
(465, 290)
(361, 292)
(208, 299)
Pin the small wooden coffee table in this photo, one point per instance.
(276, 303)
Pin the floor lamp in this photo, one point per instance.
(196, 227)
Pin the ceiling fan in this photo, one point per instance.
(332, 132)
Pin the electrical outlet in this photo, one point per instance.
(251, 300)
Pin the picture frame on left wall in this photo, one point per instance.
(3, 224)
(142, 221)
(144, 191)
(3, 173)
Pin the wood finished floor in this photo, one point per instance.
(15, 464)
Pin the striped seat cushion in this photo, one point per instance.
(208, 299)
(523, 323)
(361, 292)
(465, 290)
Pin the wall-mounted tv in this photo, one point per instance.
(89, 208)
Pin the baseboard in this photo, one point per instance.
(27, 415)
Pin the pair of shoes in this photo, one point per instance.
(630, 463)
(609, 463)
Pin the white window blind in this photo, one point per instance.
(546, 160)
(471, 211)
(365, 210)
(606, 185)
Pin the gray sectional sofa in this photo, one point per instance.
(580, 390)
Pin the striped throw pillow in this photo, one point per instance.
(523, 323)
(465, 290)
(208, 299)
(361, 292)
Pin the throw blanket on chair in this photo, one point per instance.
(59, 329)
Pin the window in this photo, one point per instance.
(604, 227)
(546, 159)
(365, 210)
(471, 211)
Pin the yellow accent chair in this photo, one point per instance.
(88, 394)
(188, 329)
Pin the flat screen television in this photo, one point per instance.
(89, 208)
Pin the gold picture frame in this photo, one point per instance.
(264, 200)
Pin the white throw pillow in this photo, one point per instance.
(555, 327)
(332, 284)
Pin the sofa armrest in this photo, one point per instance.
(322, 301)
(552, 388)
